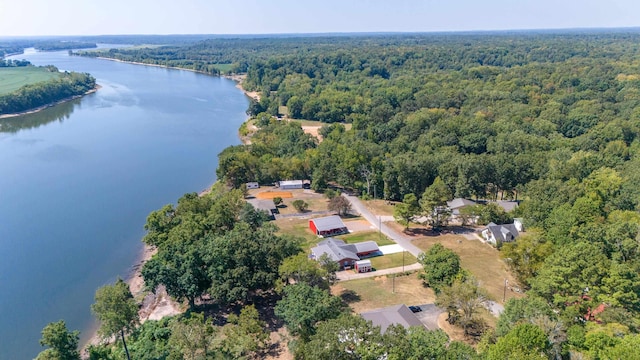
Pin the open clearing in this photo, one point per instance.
(482, 260)
(378, 292)
(13, 78)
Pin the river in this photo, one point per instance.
(77, 181)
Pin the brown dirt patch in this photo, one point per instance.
(274, 194)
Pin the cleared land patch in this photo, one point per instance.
(482, 260)
(274, 194)
(378, 292)
(13, 78)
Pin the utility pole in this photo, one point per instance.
(504, 293)
(394, 284)
(379, 228)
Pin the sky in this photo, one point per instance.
(110, 17)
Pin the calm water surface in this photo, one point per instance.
(78, 180)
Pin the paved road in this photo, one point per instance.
(352, 275)
(399, 238)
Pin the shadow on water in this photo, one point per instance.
(59, 112)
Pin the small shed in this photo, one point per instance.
(328, 226)
(253, 185)
(363, 266)
(290, 184)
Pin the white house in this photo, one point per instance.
(499, 234)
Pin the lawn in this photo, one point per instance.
(223, 68)
(13, 78)
(482, 260)
(392, 260)
(379, 207)
(298, 227)
(381, 240)
(378, 292)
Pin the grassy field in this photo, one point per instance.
(223, 68)
(13, 78)
(298, 227)
(366, 236)
(379, 207)
(392, 260)
(378, 292)
(482, 260)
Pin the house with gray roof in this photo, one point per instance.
(328, 226)
(392, 315)
(264, 205)
(499, 234)
(344, 254)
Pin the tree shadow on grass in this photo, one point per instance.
(350, 296)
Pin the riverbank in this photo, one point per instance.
(43, 107)
(238, 78)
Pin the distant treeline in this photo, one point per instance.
(35, 95)
(63, 45)
(14, 63)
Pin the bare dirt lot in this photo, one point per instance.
(274, 194)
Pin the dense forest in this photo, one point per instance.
(551, 119)
(63, 45)
(32, 96)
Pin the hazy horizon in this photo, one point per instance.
(37, 18)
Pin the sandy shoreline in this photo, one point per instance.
(40, 108)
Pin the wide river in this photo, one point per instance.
(78, 180)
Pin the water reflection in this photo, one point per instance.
(59, 112)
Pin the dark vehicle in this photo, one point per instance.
(415, 309)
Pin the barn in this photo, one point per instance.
(290, 184)
(328, 226)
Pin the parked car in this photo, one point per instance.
(415, 309)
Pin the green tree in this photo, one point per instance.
(300, 205)
(194, 337)
(277, 201)
(523, 342)
(526, 256)
(406, 210)
(300, 269)
(245, 260)
(346, 337)
(570, 272)
(441, 266)
(434, 201)
(116, 310)
(462, 300)
(303, 306)
(246, 335)
(63, 344)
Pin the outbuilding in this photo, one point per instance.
(363, 266)
(290, 184)
(328, 226)
(253, 185)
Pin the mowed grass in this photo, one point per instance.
(378, 292)
(13, 78)
(482, 260)
(392, 260)
(381, 240)
(300, 228)
(223, 68)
